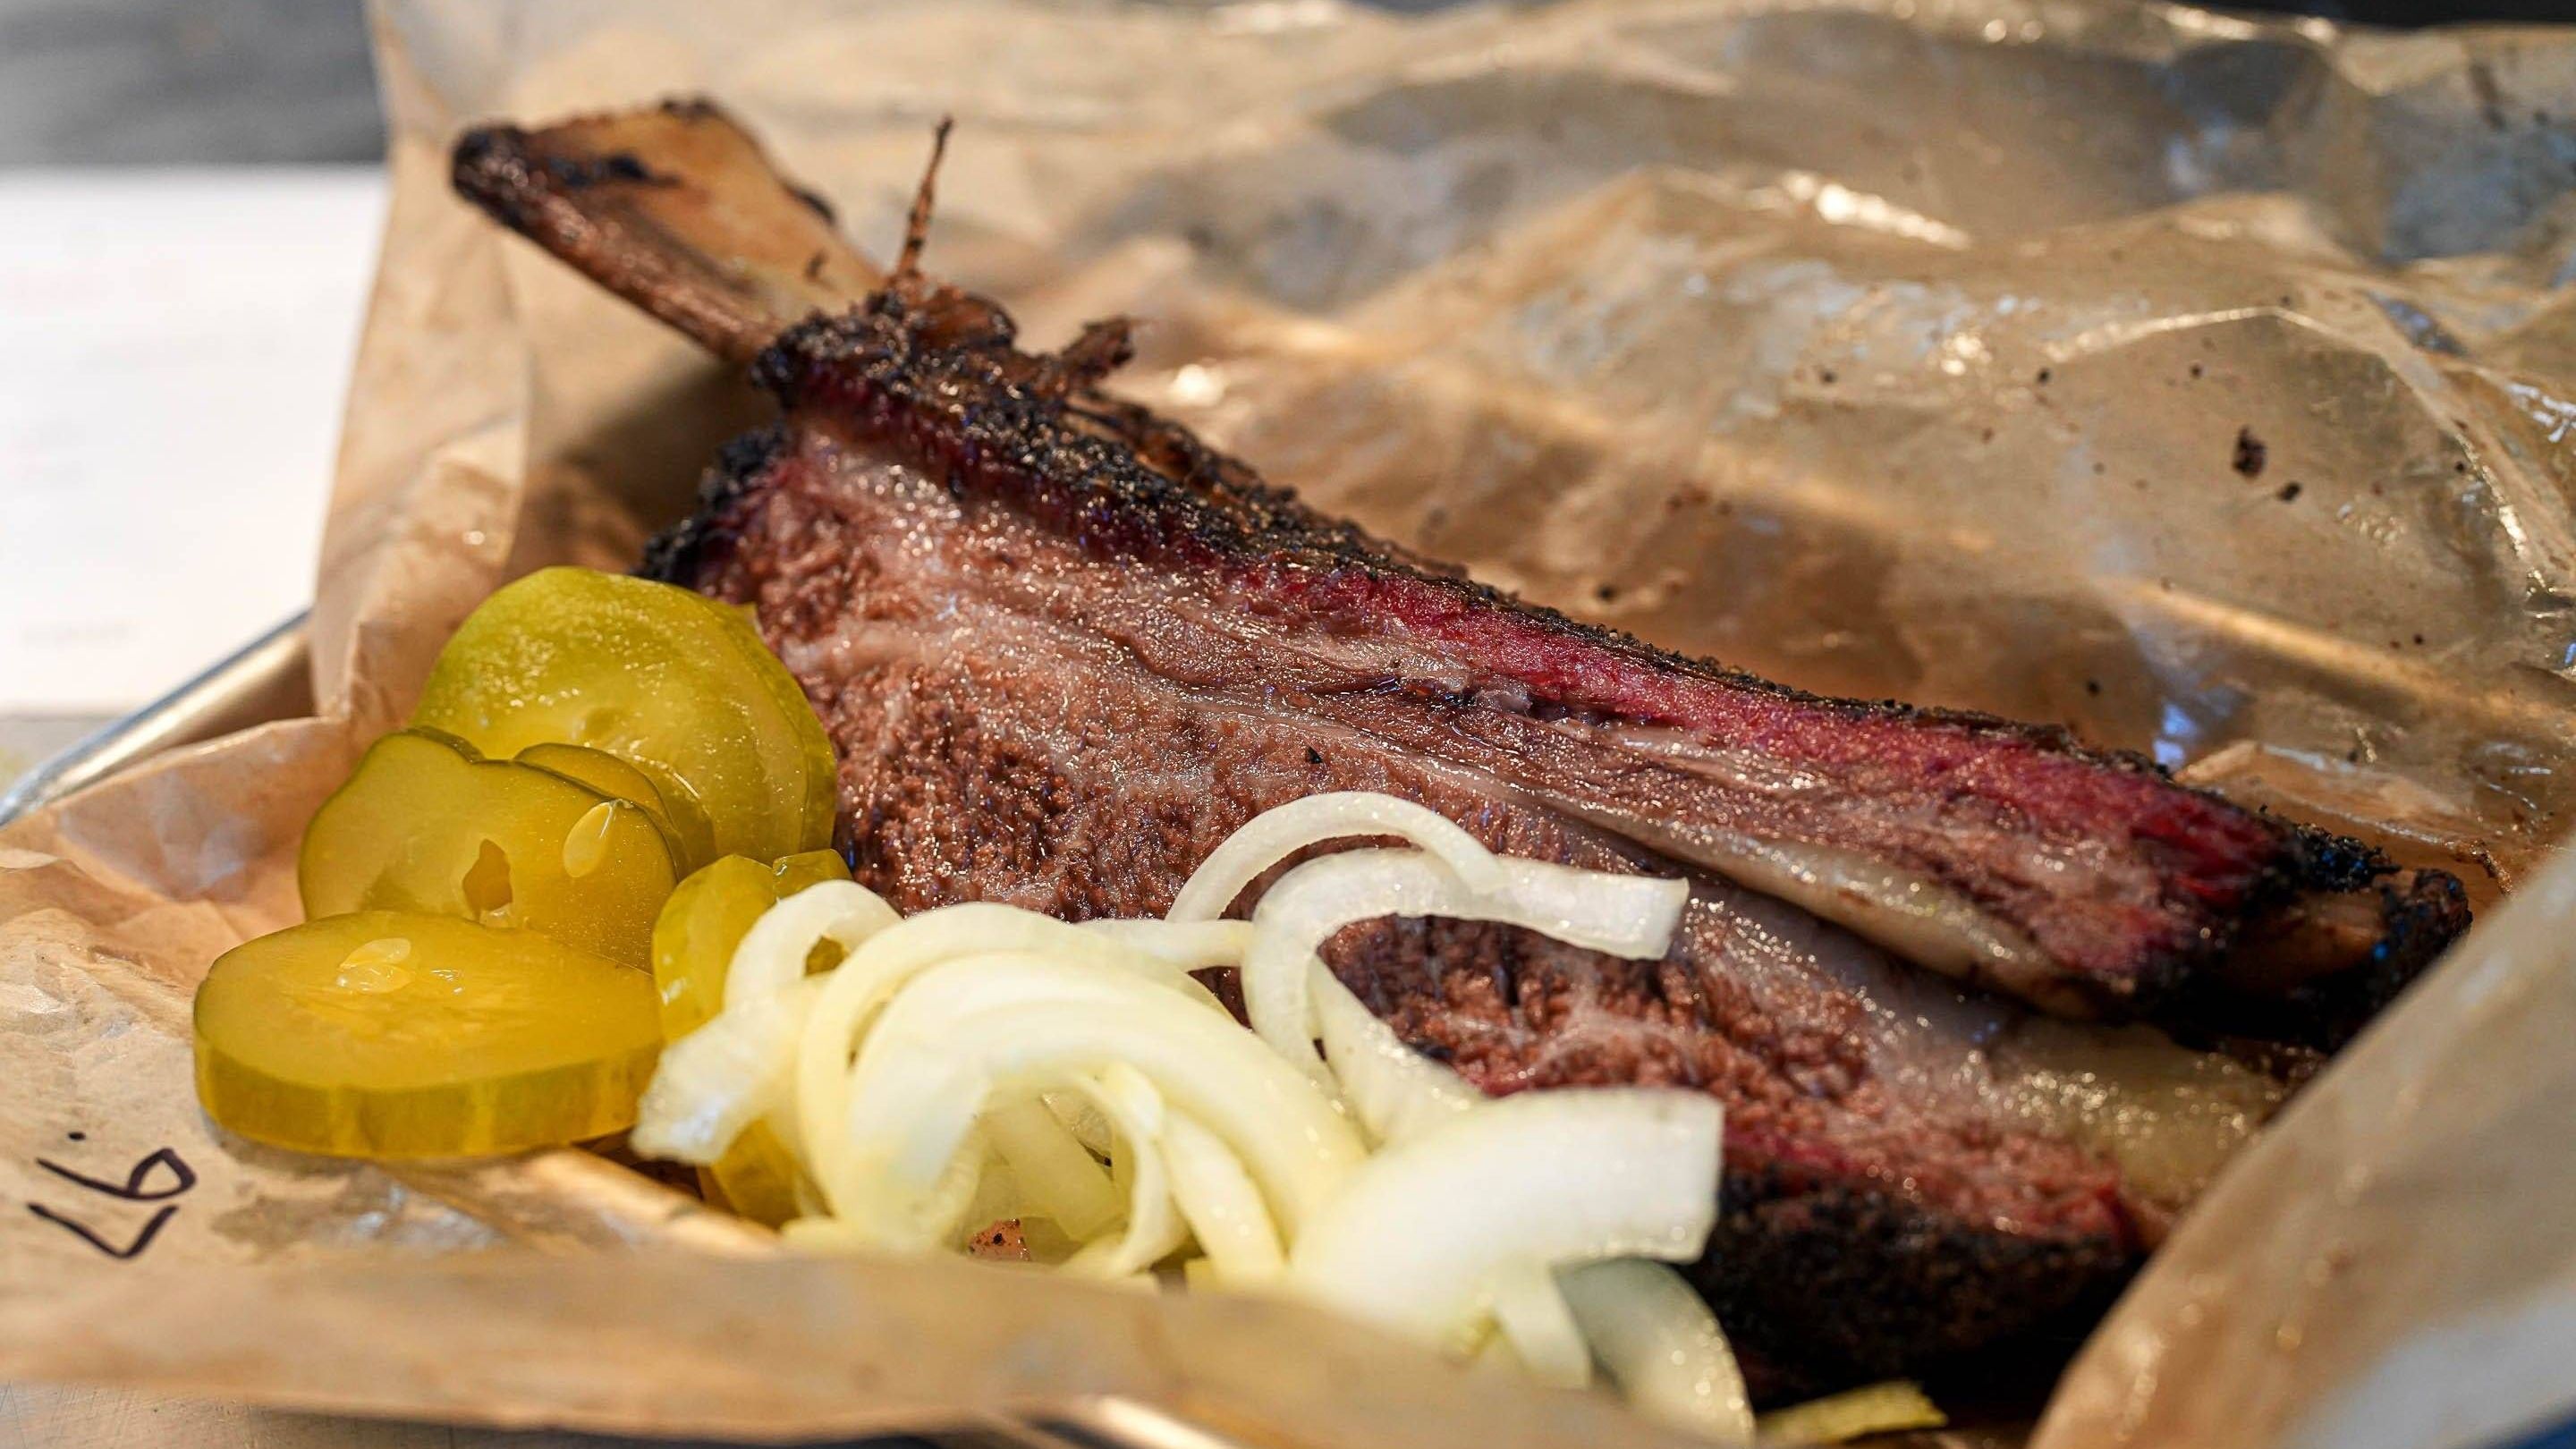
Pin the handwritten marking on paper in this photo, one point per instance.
(183, 1177)
(139, 1186)
(86, 1234)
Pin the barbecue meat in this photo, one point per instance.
(1064, 650)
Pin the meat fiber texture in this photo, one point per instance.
(1710, 307)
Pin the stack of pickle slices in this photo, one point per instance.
(515, 902)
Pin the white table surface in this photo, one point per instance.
(174, 348)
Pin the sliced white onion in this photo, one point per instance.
(1222, 1206)
(773, 952)
(1541, 1329)
(1629, 916)
(1413, 1241)
(1181, 945)
(931, 1010)
(721, 1078)
(944, 1210)
(997, 1199)
(929, 1066)
(1658, 1342)
(1154, 1229)
(1056, 1175)
(871, 975)
(1278, 833)
(1397, 1092)
(955, 1205)
(1088, 1124)
(738, 1067)
(979, 1063)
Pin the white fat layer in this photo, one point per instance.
(1927, 1049)
(1906, 912)
(2167, 1115)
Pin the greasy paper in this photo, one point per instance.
(2205, 383)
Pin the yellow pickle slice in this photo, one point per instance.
(391, 1034)
(425, 824)
(692, 837)
(707, 917)
(673, 684)
(693, 946)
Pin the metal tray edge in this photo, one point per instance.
(267, 679)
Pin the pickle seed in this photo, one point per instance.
(585, 846)
(376, 966)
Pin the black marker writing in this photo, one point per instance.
(137, 1187)
(142, 1240)
(183, 1177)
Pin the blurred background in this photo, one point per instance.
(199, 82)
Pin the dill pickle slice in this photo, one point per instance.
(425, 824)
(707, 917)
(672, 683)
(693, 946)
(692, 838)
(740, 626)
(392, 1034)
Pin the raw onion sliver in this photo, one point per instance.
(721, 1078)
(739, 1069)
(1659, 1343)
(1397, 1092)
(1280, 832)
(870, 976)
(1414, 1239)
(1533, 1317)
(1154, 1228)
(926, 1062)
(1055, 1173)
(1088, 1124)
(1630, 916)
(997, 1199)
(1181, 945)
(773, 952)
(953, 1206)
(927, 1012)
(1221, 1204)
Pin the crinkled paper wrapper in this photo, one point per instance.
(2201, 382)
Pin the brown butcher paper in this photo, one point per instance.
(2203, 382)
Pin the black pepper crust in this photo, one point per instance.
(680, 553)
(2420, 914)
(1820, 1286)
